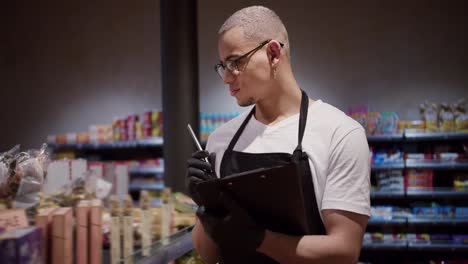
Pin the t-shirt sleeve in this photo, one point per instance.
(348, 181)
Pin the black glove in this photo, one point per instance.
(234, 232)
(198, 171)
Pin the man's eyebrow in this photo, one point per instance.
(230, 57)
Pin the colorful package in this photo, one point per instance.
(21, 246)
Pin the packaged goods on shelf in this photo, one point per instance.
(383, 156)
(375, 123)
(22, 175)
(210, 121)
(383, 238)
(418, 180)
(23, 245)
(460, 182)
(461, 116)
(99, 133)
(412, 125)
(389, 212)
(390, 181)
(445, 117)
(429, 113)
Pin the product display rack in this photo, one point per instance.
(416, 251)
(401, 250)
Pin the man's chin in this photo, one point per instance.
(245, 102)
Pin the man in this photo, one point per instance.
(255, 62)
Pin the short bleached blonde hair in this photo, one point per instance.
(258, 24)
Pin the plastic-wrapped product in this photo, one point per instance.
(461, 116)
(446, 118)
(429, 113)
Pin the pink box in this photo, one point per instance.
(62, 242)
(95, 243)
(82, 212)
(44, 221)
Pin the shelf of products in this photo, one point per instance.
(167, 250)
(387, 195)
(439, 247)
(388, 166)
(420, 184)
(388, 222)
(414, 246)
(428, 221)
(148, 187)
(146, 170)
(436, 164)
(385, 138)
(438, 193)
(432, 193)
(387, 246)
(435, 136)
(156, 142)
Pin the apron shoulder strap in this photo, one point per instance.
(239, 131)
(302, 123)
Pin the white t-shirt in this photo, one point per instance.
(335, 144)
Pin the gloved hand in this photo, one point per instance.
(198, 171)
(235, 231)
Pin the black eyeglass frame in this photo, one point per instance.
(235, 62)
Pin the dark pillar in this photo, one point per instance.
(179, 53)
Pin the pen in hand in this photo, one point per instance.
(196, 141)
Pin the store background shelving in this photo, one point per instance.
(408, 141)
(408, 250)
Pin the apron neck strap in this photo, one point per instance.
(302, 119)
(302, 124)
(240, 130)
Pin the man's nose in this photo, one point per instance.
(228, 77)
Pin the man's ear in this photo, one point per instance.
(274, 51)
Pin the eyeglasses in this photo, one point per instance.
(233, 65)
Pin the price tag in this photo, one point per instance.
(12, 219)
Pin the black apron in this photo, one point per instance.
(235, 162)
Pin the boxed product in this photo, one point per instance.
(460, 239)
(388, 123)
(62, 236)
(418, 180)
(418, 238)
(391, 180)
(100, 133)
(461, 212)
(21, 246)
(44, 222)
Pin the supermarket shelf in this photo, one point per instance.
(387, 195)
(384, 138)
(391, 222)
(386, 246)
(174, 247)
(436, 164)
(444, 193)
(414, 136)
(388, 166)
(148, 170)
(148, 187)
(143, 143)
(428, 221)
(451, 247)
